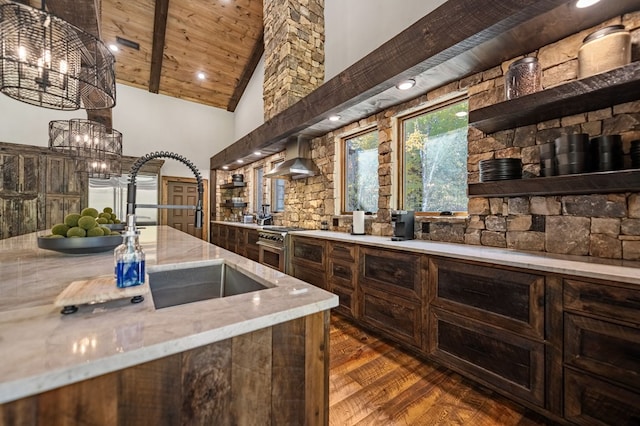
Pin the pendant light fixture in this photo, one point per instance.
(47, 62)
(96, 149)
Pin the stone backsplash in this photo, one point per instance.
(599, 225)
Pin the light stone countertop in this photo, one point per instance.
(42, 349)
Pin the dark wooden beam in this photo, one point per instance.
(256, 54)
(457, 39)
(157, 51)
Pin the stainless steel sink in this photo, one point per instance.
(180, 286)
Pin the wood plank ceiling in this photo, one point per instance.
(178, 39)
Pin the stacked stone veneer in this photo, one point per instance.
(294, 52)
(599, 225)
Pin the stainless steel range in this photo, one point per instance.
(274, 246)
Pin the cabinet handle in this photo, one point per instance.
(472, 291)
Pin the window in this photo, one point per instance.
(360, 177)
(258, 189)
(277, 192)
(434, 164)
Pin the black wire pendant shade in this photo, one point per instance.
(96, 149)
(48, 62)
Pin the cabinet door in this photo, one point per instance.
(309, 252)
(590, 401)
(397, 317)
(391, 271)
(19, 174)
(347, 301)
(61, 176)
(18, 216)
(58, 206)
(252, 251)
(493, 356)
(600, 299)
(604, 348)
(231, 242)
(507, 298)
(311, 275)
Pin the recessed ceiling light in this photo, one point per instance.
(113, 47)
(461, 114)
(201, 75)
(406, 84)
(257, 153)
(225, 167)
(240, 161)
(585, 3)
(334, 118)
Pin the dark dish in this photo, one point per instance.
(80, 245)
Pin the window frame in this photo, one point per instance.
(274, 192)
(258, 186)
(401, 150)
(343, 166)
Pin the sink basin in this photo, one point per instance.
(180, 286)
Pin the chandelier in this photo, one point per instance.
(47, 62)
(96, 149)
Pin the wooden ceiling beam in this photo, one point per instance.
(256, 54)
(157, 51)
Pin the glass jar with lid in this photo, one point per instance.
(604, 50)
(523, 77)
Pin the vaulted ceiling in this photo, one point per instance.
(163, 45)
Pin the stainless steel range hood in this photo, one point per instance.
(297, 161)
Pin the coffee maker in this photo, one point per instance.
(402, 223)
(265, 217)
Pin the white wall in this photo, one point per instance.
(148, 122)
(353, 29)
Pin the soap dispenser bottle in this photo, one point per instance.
(129, 257)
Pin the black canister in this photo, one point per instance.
(572, 154)
(606, 153)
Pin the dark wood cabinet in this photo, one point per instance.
(391, 297)
(242, 241)
(309, 260)
(250, 242)
(601, 353)
(342, 274)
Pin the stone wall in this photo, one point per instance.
(600, 225)
(294, 52)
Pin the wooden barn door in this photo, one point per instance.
(184, 192)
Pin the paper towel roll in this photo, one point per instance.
(358, 222)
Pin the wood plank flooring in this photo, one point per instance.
(373, 382)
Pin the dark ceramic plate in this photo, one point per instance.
(86, 245)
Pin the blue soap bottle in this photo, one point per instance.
(129, 257)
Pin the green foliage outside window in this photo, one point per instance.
(361, 180)
(435, 160)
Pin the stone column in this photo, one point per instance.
(294, 52)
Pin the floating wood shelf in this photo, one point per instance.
(233, 185)
(233, 205)
(588, 94)
(579, 184)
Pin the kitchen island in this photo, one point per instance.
(229, 360)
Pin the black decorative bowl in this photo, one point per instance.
(80, 245)
(114, 226)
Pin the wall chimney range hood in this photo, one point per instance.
(297, 162)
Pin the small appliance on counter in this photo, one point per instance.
(402, 222)
(265, 218)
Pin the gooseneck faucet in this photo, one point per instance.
(131, 187)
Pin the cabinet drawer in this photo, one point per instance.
(309, 251)
(509, 299)
(613, 302)
(391, 271)
(590, 401)
(607, 349)
(310, 275)
(400, 319)
(346, 300)
(495, 357)
(342, 273)
(343, 251)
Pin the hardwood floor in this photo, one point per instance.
(373, 382)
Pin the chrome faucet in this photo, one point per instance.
(131, 187)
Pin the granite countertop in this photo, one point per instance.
(43, 349)
(582, 266)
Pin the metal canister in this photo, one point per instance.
(604, 50)
(523, 77)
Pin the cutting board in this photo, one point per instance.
(97, 290)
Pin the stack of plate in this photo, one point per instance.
(572, 154)
(635, 154)
(500, 169)
(547, 159)
(606, 153)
